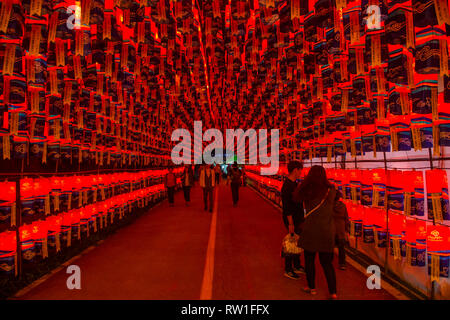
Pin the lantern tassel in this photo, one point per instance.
(435, 265)
(407, 206)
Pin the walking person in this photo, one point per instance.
(207, 182)
(292, 216)
(234, 175)
(317, 236)
(217, 171)
(187, 181)
(170, 182)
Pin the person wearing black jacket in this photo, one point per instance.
(187, 181)
(292, 216)
(318, 232)
(235, 177)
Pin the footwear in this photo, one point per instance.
(310, 291)
(333, 296)
(342, 267)
(300, 270)
(291, 275)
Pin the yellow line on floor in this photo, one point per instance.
(208, 273)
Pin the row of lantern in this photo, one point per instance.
(96, 150)
(269, 187)
(42, 238)
(44, 196)
(330, 137)
(397, 190)
(64, 93)
(410, 238)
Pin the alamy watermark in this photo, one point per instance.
(74, 280)
(374, 280)
(374, 17)
(74, 20)
(257, 143)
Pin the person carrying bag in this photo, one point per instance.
(317, 231)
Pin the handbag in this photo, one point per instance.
(290, 246)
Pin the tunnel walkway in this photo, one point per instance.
(185, 252)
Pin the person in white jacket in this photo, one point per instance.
(207, 182)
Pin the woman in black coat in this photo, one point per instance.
(318, 233)
(187, 181)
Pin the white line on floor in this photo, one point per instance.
(208, 273)
(45, 277)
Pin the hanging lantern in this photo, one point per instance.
(54, 233)
(438, 248)
(27, 243)
(368, 227)
(7, 205)
(379, 188)
(366, 187)
(437, 195)
(397, 230)
(395, 192)
(8, 257)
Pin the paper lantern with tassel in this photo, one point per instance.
(395, 191)
(380, 227)
(27, 243)
(437, 195)
(27, 198)
(379, 188)
(7, 205)
(40, 233)
(438, 247)
(355, 213)
(8, 257)
(54, 233)
(415, 237)
(42, 196)
(353, 188)
(397, 229)
(366, 188)
(368, 225)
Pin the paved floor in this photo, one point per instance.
(163, 254)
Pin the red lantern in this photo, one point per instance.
(54, 232)
(397, 228)
(7, 205)
(40, 233)
(395, 191)
(27, 242)
(437, 195)
(8, 249)
(438, 247)
(379, 187)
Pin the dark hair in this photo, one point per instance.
(315, 184)
(292, 165)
